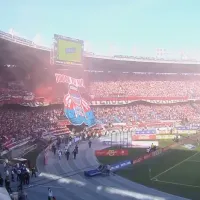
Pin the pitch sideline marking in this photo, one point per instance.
(174, 183)
(174, 166)
(197, 161)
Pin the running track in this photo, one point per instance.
(68, 182)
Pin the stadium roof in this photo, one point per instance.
(25, 42)
(19, 51)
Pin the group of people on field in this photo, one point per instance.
(67, 151)
(104, 169)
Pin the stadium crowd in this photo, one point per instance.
(19, 122)
(145, 85)
(120, 84)
(146, 112)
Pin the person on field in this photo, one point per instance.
(76, 149)
(108, 168)
(90, 143)
(33, 170)
(12, 175)
(59, 154)
(74, 153)
(67, 153)
(50, 194)
(148, 150)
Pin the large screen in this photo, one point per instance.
(68, 51)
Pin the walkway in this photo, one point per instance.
(67, 181)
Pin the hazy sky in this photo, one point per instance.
(131, 27)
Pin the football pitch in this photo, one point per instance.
(176, 171)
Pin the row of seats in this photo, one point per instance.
(146, 112)
(117, 84)
(22, 122)
(112, 84)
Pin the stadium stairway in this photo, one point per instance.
(67, 180)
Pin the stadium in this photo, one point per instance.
(140, 115)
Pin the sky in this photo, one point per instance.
(109, 27)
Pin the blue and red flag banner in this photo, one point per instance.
(76, 108)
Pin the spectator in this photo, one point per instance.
(50, 194)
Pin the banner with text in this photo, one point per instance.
(147, 131)
(120, 165)
(152, 137)
(129, 100)
(76, 109)
(164, 137)
(143, 137)
(119, 152)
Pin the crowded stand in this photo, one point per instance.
(145, 85)
(145, 112)
(18, 123)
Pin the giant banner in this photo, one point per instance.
(30, 100)
(76, 109)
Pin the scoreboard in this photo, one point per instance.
(67, 51)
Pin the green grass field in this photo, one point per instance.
(177, 171)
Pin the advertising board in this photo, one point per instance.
(147, 156)
(120, 165)
(186, 131)
(118, 152)
(143, 144)
(164, 137)
(143, 137)
(163, 130)
(148, 131)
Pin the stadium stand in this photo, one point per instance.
(146, 112)
(27, 78)
(145, 85)
(18, 123)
